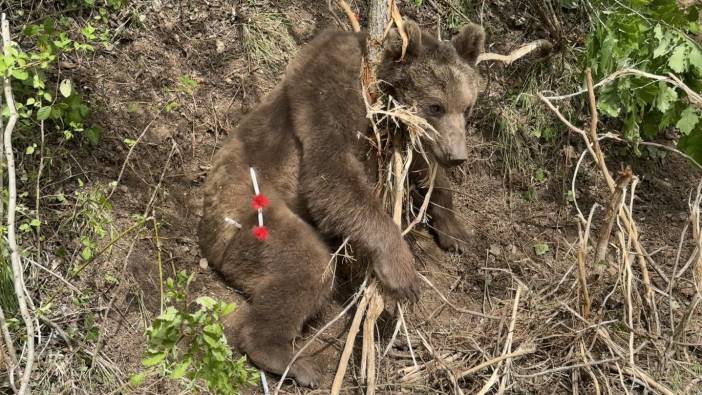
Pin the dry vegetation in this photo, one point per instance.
(585, 275)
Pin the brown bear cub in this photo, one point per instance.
(303, 141)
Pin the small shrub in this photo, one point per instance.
(189, 345)
(652, 36)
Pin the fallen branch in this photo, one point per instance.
(17, 269)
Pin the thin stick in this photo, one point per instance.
(568, 367)
(454, 380)
(375, 308)
(37, 198)
(129, 154)
(12, 362)
(350, 339)
(453, 306)
(510, 338)
(17, 269)
(637, 373)
(159, 261)
(518, 53)
(581, 254)
(521, 351)
(599, 156)
(627, 282)
(508, 343)
(404, 326)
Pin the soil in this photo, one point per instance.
(510, 210)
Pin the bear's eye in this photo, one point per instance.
(435, 109)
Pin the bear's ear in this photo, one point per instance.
(393, 42)
(469, 43)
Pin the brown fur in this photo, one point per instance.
(303, 142)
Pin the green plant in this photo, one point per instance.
(192, 345)
(35, 99)
(652, 36)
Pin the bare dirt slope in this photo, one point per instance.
(513, 192)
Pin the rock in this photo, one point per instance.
(495, 250)
(203, 263)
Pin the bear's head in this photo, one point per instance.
(437, 78)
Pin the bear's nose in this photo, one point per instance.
(457, 153)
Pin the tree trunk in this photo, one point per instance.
(378, 17)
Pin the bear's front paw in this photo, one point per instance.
(452, 235)
(396, 272)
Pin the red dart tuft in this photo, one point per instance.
(260, 232)
(259, 201)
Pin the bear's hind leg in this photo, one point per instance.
(294, 283)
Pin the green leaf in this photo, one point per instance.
(20, 74)
(608, 108)
(678, 60)
(665, 98)
(86, 253)
(228, 309)
(663, 42)
(206, 302)
(30, 149)
(154, 359)
(695, 59)
(43, 113)
(180, 369)
(65, 88)
(541, 249)
(137, 379)
(688, 120)
(35, 222)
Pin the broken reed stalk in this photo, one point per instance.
(17, 269)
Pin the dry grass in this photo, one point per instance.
(267, 43)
